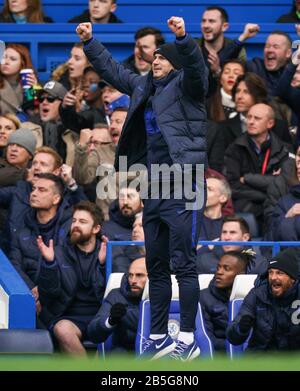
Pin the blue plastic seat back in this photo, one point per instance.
(143, 332)
(235, 350)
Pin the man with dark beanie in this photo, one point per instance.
(271, 309)
(166, 128)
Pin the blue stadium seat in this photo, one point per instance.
(243, 283)
(25, 341)
(143, 332)
(113, 282)
(235, 350)
(155, 11)
(48, 41)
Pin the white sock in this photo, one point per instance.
(156, 336)
(186, 337)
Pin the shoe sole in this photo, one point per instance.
(165, 351)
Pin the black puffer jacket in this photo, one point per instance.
(179, 106)
(124, 333)
(214, 305)
(274, 328)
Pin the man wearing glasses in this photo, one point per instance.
(55, 134)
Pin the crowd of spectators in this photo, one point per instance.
(57, 140)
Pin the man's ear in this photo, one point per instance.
(113, 7)
(56, 199)
(96, 229)
(225, 26)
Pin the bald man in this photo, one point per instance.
(119, 313)
(254, 160)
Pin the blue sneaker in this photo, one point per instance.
(159, 347)
(185, 352)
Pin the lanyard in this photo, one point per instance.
(264, 166)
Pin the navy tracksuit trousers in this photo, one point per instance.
(171, 236)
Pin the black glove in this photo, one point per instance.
(246, 322)
(117, 311)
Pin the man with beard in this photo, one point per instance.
(214, 23)
(72, 278)
(119, 313)
(122, 213)
(270, 309)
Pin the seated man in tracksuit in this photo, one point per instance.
(119, 313)
(71, 279)
(271, 309)
(214, 299)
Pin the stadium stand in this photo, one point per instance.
(155, 11)
(50, 44)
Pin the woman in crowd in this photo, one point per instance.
(70, 74)
(8, 124)
(16, 57)
(23, 11)
(221, 104)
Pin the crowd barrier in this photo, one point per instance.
(276, 246)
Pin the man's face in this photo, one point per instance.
(77, 62)
(117, 120)
(129, 202)
(228, 267)
(43, 195)
(161, 67)
(100, 136)
(276, 52)
(137, 230)
(109, 94)
(148, 46)
(100, 9)
(17, 155)
(137, 277)
(49, 107)
(231, 232)
(243, 99)
(258, 120)
(214, 196)
(7, 127)
(279, 282)
(44, 163)
(212, 25)
(296, 78)
(82, 228)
